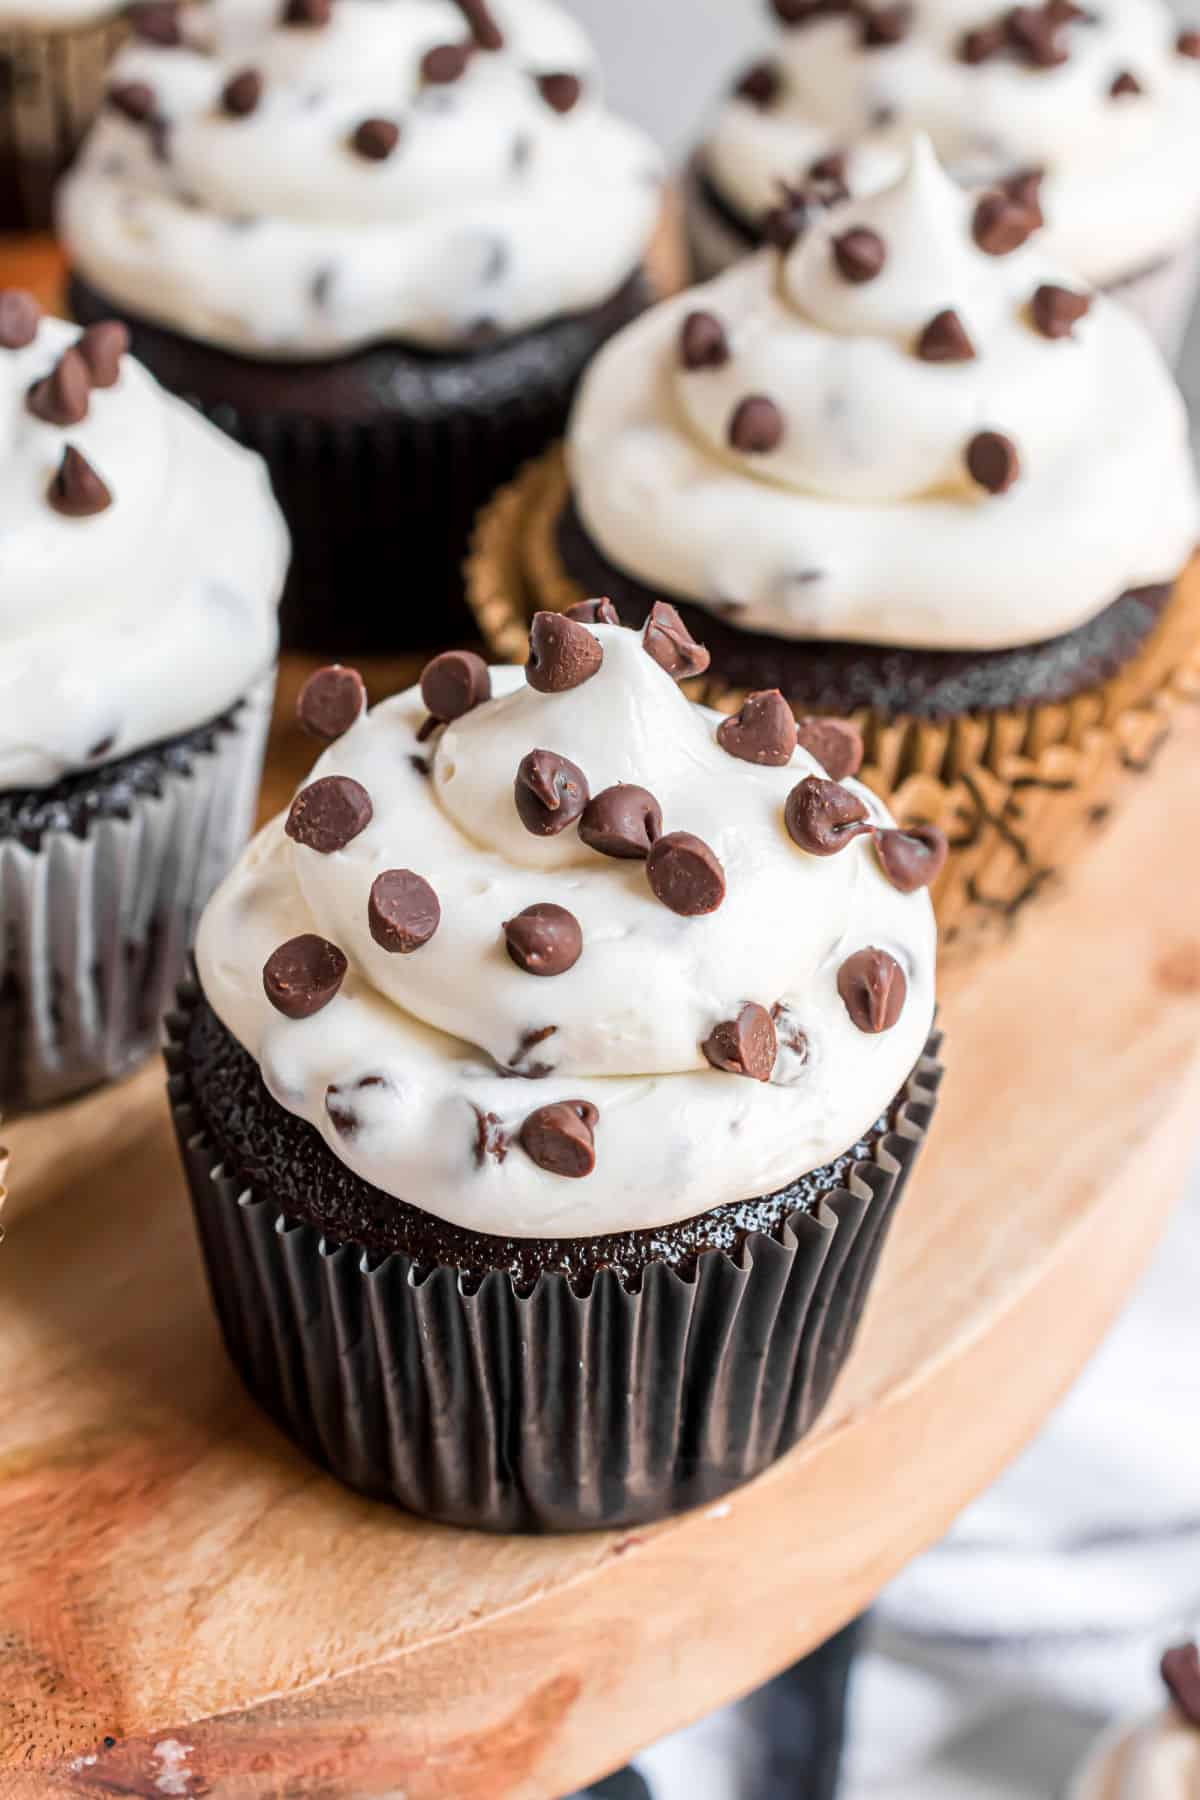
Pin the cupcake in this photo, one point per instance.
(376, 240)
(141, 561)
(555, 1066)
(1157, 1758)
(909, 471)
(1090, 118)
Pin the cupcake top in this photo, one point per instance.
(1103, 100)
(141, 554)
(295, 178)
(1158, 1759)
(584, 957)
(904, 426)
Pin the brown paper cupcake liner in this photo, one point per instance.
(1017, 793)
(568, 1407)
(51, 87)
(96, 928)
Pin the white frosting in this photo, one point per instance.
(1158, 1759)
(1122, 187)
(269, 234)
(148, 618)
(674, 1136)
(864, 523)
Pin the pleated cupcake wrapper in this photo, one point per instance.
(555, 1410)
(95, 931)
(51, 87)
(1017, 792)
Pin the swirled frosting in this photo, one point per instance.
(142, 555)
(1114, 125)
(299, 182)
(908, 428)
(412, 1070)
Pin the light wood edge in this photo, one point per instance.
(49, 1151)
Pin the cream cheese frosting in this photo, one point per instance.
(1121, 162)
(1158, 1759)
(304, 181)
(839, 462)
(412, 1072)
(142, 555)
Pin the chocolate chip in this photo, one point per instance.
(427, 728)
(1125, 83)
(1032, 33)
(981, 44)
(764, 731)
(744, 1046)
(157, 22)
(303, 975)
(623, 821)
(1188, 43)
(594, 612)
(455, 683)
(702, 342)
(685, 874)
(822, 817)
(882, 26)
(483, 27)
(102, 346)
(1025, 189)
(756, 427)
(560, 91)
(330, 702)
(1057, 310)
(1001, 225)
(403, 911)
(760, 85)
(329, 814)
(874, 988)
(375, 139)
(529, 1040)
(76, 491)
(911, 859)
(562, 654)
(550, 792)
(20, 316)
(945, 340)
(490, 1138)
(993, 461)
(242, 93)
(835, 743)
(544, 939)
(1180, 1668)
(860, 254)
(445, 63)
(134, 100)
(667, 640)
(784, 225)
(62, 397)
(307, 12)
(560, 1138)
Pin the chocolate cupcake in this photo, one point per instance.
(564, 1049)
(904, 470)
(377, 243)
(141, 560)
(1088, 117)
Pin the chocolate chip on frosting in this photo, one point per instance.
(685, 874)
(1188, 43)
(1180, 1670)
(835, 743)
(993, 461)
(102, 346)
(20, 316)
(1126, 83)
(763, 731)
(1057, 310)
(445, 63)
(560, 91)
(560, 1139)
(756, 427)
(746, 1045)
(702, 342)
(544, 939)
(1001, 224)
(303, 975)
(1032, 34)
(667, 640)
(484, 29)
(490, 1138)
(455, 683)
(760, 85)
(981, 44)
(594, 612)
(307, 12)
(913, 858)
(882, 26)
(134, 100)
(562, 654)
(330, 702)
(623, 821)
(1024, 189)
(550, 793)
(860, 254)
(403, 912)
(945, 340)
(241, 94)
(784, 225)
(157, 22)
(77, 492)
(822, 817)
(62, 397)
(375, 139)
(329, 814)
(873, 988)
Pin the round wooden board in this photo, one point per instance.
(188, 1607)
